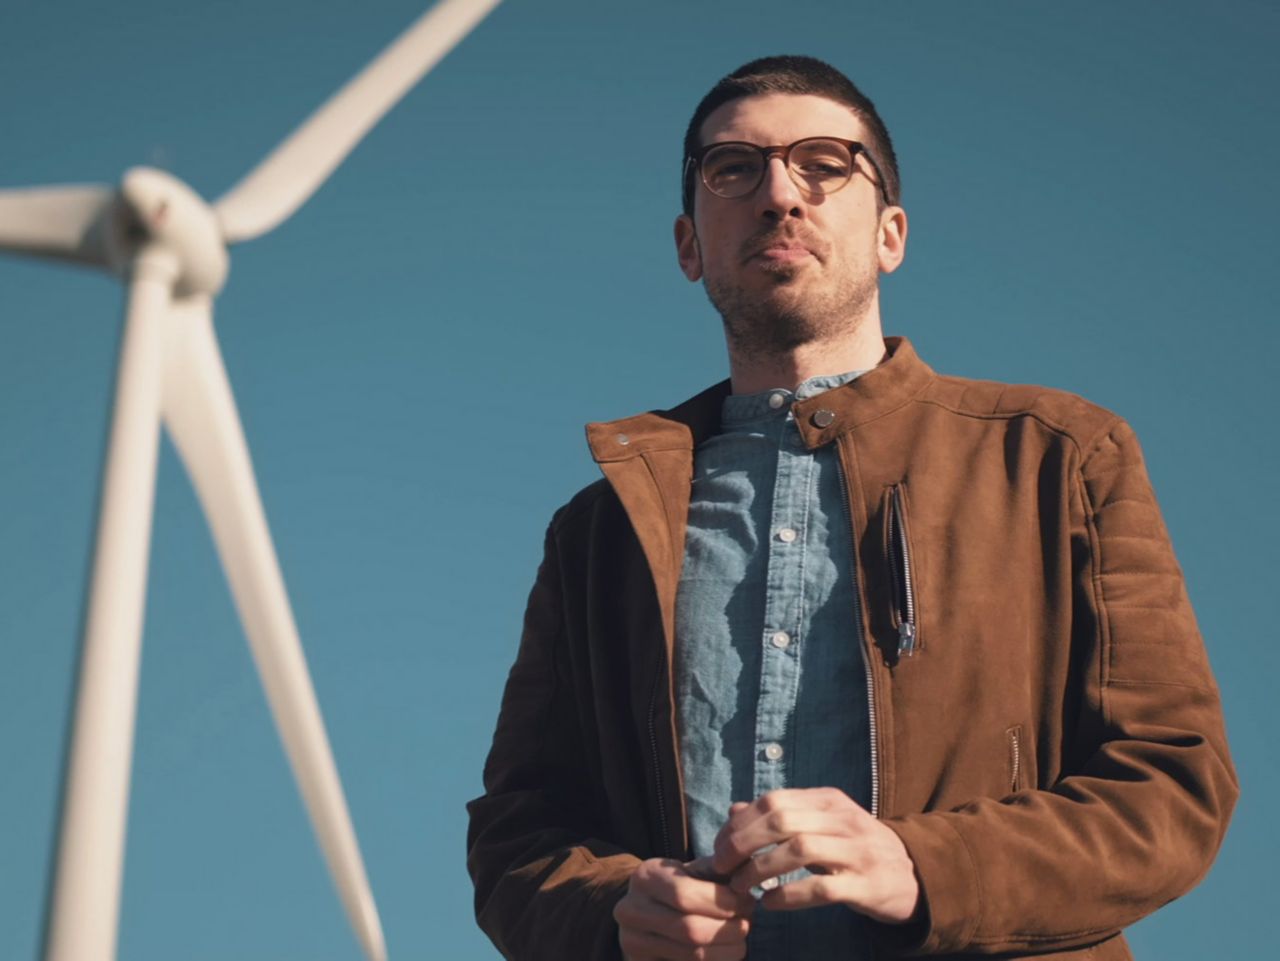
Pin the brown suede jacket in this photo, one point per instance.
(1051, 749)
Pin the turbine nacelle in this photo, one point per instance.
(156, 210)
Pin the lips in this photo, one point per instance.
(783, 252)
(779, 249)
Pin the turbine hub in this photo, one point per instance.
(157, 209)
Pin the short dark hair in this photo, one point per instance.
(794, 75)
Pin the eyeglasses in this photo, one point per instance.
(817, 165)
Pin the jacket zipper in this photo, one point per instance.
(657, 766)
(907, 613)
(866, 658)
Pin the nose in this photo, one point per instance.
(777, 197)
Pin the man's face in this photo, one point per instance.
(784, 266)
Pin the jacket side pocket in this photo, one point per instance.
(1017, 762)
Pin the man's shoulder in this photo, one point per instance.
(680, 427)
(1079, 420)
(584, 504)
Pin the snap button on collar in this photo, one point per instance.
(823, 418)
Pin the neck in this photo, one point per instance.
(859, 349)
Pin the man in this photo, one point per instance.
(844, 656)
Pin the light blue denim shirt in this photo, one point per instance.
(770, 685)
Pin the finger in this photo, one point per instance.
(716, 952)
(742, 812)
(643, 946)
(708, 899)
(819, 853)
(668, 884)
(777, 825)
(815, 891)
(736, 810)
(707, 932)
(809, 799)
(641, 917)
(702, 869)
(818, 798)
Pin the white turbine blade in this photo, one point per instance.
(66, 222)
(200, 413)
(291, 173)
(84, 903)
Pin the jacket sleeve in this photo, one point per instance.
(545, 884)
(1137, 822)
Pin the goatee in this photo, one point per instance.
(793, 312)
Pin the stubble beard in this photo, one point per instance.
(793, 311)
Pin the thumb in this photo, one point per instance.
(702, 869)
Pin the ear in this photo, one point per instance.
(893, 239)
(687, 250)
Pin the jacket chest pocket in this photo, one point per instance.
(905, 612)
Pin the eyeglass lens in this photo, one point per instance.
(817, 165)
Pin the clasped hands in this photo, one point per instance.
(702, 910)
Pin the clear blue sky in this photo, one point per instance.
(1092, 194)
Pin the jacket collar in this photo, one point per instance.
(893, 383)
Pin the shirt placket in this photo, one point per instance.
(783, 629)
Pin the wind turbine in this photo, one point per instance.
(170, 247)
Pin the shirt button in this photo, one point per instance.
(823, 418)
(777, 400)
(768, 884)
(786, 535)
(773, 751)
(780, 640)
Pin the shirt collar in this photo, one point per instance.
(776, 402)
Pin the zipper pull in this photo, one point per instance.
(906, 639)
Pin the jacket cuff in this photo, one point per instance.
(950, 893)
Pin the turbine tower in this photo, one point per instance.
(170, 247)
